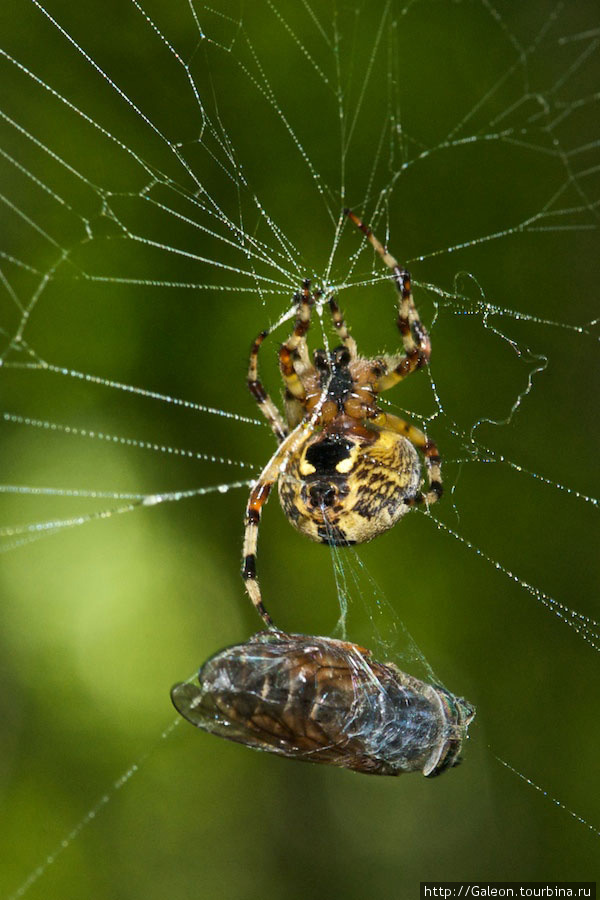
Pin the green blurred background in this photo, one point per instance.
(456, 121)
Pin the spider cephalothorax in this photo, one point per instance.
(347, 471)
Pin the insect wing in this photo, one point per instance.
(249, 695)
(187, 700)
(199, 708)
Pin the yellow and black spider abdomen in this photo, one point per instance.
(347, 487)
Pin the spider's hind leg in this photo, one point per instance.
(257, 499)
(266, 405)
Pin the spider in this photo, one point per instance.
(347, 470)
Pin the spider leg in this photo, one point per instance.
(266, 405)
(415, 338)
(295, 346)
(258, 497)
(427, 447)
(342, 328)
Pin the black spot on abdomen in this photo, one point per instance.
(326, 454)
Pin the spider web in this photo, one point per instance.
(168, 179)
